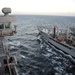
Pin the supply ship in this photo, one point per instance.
(62, 40)
(8, 59)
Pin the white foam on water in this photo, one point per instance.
(22, 56)
(49, 50)
(14, 43)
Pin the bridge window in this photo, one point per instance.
(7, 25)
(1, 26)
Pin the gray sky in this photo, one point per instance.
(47, 7)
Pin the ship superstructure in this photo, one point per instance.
(7, 60)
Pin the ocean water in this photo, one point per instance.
(37, 58)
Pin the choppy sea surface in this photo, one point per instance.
(37, 58)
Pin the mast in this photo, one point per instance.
(54, 34)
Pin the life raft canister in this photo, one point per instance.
(60, 39)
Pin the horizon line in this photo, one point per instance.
(41, 14)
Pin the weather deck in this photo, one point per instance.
(67, 49)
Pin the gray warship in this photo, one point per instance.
(63, 41)
(8, 59)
